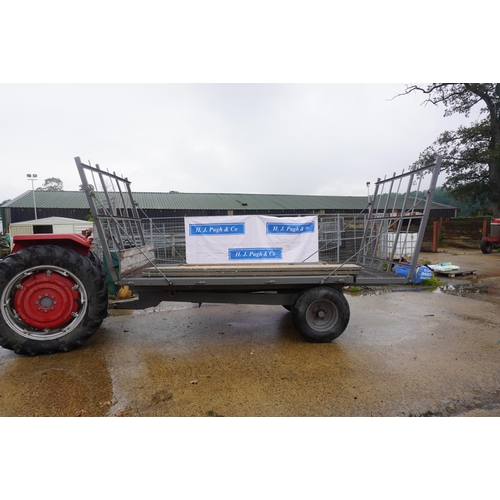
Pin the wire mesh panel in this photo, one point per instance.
(340, 237)
(168, 238)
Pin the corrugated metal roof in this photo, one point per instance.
(50, 199)
(241, 201)
(203, 201)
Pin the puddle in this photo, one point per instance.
(362, 291)
(471, 290)
(162, 307)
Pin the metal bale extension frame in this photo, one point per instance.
(397, 211)
(392, 229)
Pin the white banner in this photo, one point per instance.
(251, 239)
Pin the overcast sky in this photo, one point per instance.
(310, 138)
(217, 138)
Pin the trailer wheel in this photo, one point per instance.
(486, 246)
(51, 299)
(321, 314)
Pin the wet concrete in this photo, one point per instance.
(431, 353)
(483, 285)
(70, 384)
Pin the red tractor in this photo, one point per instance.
(493, 240)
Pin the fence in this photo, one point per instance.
(339, 238)
(459, 233)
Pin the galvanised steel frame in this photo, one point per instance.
(400, 207)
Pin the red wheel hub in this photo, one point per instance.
(46, 300)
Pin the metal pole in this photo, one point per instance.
(33, 178)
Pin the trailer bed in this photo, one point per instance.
(213, 270)
(257, 276)
(243, 277)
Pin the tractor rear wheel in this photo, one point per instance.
(51, 299)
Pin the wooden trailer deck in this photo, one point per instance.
(253, 270)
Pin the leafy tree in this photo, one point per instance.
(471, 154)
(2, 213)
(91, 187)
(444, 197)
(51, 184)
(465, 209)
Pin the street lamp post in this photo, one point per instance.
(33, 179)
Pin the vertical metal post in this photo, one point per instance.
(427, 210)
(338, 238)
(34, 202)
(115, 231)
(33, 178)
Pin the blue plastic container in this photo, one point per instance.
(421, 272)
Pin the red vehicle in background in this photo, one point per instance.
(493, 240)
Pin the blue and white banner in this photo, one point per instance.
(251, 239)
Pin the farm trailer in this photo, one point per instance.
(54, 288)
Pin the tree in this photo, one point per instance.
(2, 213)
(465, 209)
(51, 184)
(91, 187)
(471, 154)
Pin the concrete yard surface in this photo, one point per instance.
(406, 352)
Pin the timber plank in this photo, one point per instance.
(190, 270)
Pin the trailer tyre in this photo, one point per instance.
(486, 246)
(51, 299)
(321, 314)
